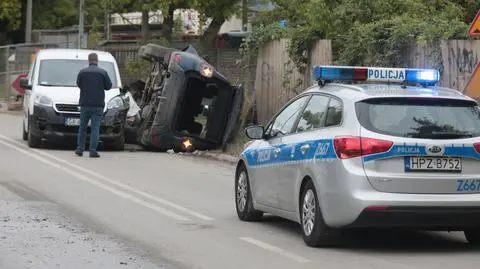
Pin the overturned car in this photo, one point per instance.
(184, 104)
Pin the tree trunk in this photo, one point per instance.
(207, 40)
(167, 27)
(145, 25)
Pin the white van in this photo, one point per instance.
(51, 98)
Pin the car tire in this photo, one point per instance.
(33, 141)
(119, 144)
(24, 132)
(243, 197)
(315, 231)
(473, 236)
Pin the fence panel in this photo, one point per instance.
(460, 58)
(278, 80)
(15, 60)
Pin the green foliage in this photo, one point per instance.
(10, 12)
(177, 28)
(94, 37)
(56, 14)
(363, 32)
(259, 36)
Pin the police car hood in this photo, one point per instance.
(69, 95)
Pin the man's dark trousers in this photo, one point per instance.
(95, 114)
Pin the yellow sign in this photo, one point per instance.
(474, 30)
(473, 87)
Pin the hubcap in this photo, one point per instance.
(308, 212)
(242, 191)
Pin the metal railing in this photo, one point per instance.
(15, 60)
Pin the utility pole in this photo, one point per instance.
(107, 19)
(244, 15)
(28, 23)
(80, 25)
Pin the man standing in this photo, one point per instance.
(93, 81)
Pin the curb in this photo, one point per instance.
(222, 157)
(216, 156)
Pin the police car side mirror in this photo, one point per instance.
(255, 132)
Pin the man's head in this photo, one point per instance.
(92, 58)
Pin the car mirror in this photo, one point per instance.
(124, 89)
(255, 132)
(24, 84)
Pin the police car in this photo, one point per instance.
(382, 147)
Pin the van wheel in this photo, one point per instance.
(315, 232)
(33, 141)
(24, 132)
(243, 197)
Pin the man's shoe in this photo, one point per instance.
(79, 153)
(94, 155)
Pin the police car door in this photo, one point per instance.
(270, 159)
(310, 134)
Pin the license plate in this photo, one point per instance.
(468, 185)
(73, 122)
(433, 164)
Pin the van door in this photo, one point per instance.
(28, 93)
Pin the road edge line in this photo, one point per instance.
(113, 182)
(110, 189)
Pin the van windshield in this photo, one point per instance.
(63, 72)
(420, 118)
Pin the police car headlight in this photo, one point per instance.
(43, 100)
(115, 103)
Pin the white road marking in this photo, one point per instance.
(275, 249)
(113, 182)
(99, 184)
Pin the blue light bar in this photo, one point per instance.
(426, 77)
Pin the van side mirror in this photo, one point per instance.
(24, 84)
(255, 132)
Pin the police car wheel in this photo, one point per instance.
(473, 236)
(315, 232)
(243, 197)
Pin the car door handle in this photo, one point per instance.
(277, 151)
(304, 148)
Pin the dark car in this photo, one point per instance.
(185, 104)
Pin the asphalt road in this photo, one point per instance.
(180, 211)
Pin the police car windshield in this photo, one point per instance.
(63, 72)
(420, 118)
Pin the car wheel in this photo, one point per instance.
(33, 141)
(473, 236)
(243, 197)
(119, 144)
(315, 232)
(24, 132)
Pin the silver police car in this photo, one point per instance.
(389, 150)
